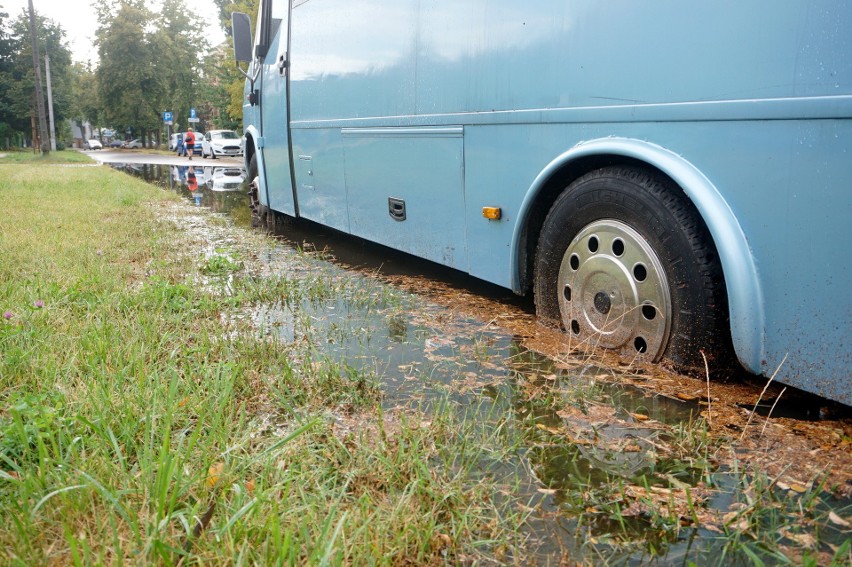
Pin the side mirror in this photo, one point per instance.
(241, 30)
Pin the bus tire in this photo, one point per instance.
(624, 261)
(258, 211)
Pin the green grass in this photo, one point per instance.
(137, 427)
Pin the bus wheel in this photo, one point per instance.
(258, 211)
(274, 221)
(625, 262)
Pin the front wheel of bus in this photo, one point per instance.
(258, 211)
(625, 262)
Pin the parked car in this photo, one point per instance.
(220, 143)
(116, 144)
(133, 144)
(93, 145)
(174, 139)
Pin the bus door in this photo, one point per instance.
(275, 130)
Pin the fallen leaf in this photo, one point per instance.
(686, 397)
(441, 541)
(639, 416)
(805, 540)
(250, 486)
(796, 487)
(214, 472)
(549, 429)
(547, 490)
(835, 519)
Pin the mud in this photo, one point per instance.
(588, 419)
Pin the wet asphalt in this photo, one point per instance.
(142, 156)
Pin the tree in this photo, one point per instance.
(87, 106)
(178, 43)
(6, 57)
(17, 87)
(128, 85)
(226, 93)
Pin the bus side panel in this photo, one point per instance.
(406, 190)
(320, 185)
(483, 55)
(352, 59)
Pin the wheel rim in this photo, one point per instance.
(613, 291)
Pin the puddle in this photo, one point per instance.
(217, 188)
(604, 467)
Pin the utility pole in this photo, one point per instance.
(50, 103)
(42, 122)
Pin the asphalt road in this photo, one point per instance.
(141, 156)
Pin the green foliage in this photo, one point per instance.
(17, 94)
(128, 84)
(34, 430)
(149, 61)
(220, 264)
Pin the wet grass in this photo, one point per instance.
(138, 426)
(163, 400)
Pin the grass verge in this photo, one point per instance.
(138, 427)
(146, 416)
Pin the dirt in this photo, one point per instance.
(794, 452)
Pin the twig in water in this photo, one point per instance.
(760, 397)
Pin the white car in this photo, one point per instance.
(133, 144)
(93, 145)
(220, 143)
(226, 179)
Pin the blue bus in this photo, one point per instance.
(669, 179)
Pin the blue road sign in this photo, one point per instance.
(167, 117)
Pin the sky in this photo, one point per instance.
(77, 18)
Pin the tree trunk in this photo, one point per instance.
(42, 120)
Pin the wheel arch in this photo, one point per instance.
(745, 295)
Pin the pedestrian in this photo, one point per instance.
(189, 141)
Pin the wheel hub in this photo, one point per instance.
(614, 291)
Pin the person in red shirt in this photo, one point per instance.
(189, 141)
